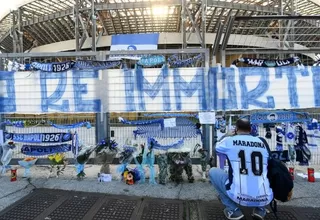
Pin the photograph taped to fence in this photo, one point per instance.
(39, 137)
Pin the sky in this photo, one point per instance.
(8, 5)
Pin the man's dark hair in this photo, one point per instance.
(272, 115)
(198, 125)
(243, 125)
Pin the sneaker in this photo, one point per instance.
(259, 213)
(233, 214)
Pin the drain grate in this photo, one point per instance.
(312, 216)
(116, 209)
(283, 215)
(64, 205)
(74, 208)
(155, 210)
(214, 210)
(31, 208)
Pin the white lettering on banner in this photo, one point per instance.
(282, 63)
(255, 62)
(154, 90)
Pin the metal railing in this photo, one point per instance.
(28, 58)
(123, 133)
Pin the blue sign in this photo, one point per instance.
(39, 137)
(278, 117)
(133, 42)
(36, 150)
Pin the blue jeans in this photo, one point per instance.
(218, 179)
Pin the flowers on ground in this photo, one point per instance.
(56, 161)
(27, 163)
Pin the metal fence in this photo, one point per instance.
(124, 135)
(314, 113)
(315, 158)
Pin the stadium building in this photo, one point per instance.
(204, 34)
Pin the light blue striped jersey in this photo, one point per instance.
(248, 184)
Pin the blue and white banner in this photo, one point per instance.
(72, 126)
(153, 144)
(159, 122)
(53, 67)
(185, 128)
(279, 117)
(97, 65)
(36, 150)
(160, 90)
(152, 60)
(127, 42)
(267, 63)
(75, 144)
(175, 62)
(39, 137)
(15, 66)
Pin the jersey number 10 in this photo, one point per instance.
(255, 155)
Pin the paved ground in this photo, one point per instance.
(45, 204)
(197, 200)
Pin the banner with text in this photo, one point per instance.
(156, 90)
(39, 137)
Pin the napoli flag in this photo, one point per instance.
(133, 42)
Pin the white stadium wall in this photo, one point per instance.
(174, 38)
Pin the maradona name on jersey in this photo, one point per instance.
(252, 199)
(248, 143)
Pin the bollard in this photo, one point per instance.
(311, 175)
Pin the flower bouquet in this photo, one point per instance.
(83, 158)
(106, 152)
(27, 163)
(126, 156)
(59, 162)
